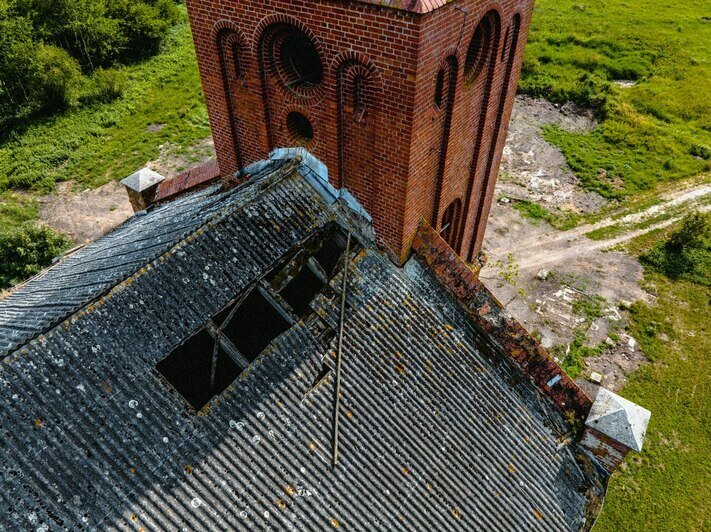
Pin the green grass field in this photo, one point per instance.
(668, 485)
(656, 131)
(95, 144)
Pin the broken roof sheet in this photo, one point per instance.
(64, 289)
(438, 431)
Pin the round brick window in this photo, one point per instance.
(298, 61)
(300, 128)
(478, 50)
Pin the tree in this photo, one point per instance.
(687, 253)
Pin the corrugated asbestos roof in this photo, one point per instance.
(437, 433)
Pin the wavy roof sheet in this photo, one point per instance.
(438, 431)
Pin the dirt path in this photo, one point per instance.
(540, 251)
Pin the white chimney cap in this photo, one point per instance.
(619, 419)
(142, 180)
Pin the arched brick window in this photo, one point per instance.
(450, 222)
(230, 51)
(290, 56)
(487, 192)
(439, 89)
(479, 50)
(445, 92)
(357, 92)
(291, 65)
(479, 73)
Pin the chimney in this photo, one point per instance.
(614, 427)
(142, 187)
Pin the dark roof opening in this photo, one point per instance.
(255, 323)
(189, 369)
(206, 364)
(330, 254)
(300, 291)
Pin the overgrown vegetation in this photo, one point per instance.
(27, 249)
(668, 485)
(686, 254)
(646, 69)
(49, 50)
(529, 209)
(105, 140)
(572, 356)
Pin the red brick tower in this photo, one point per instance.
(406, 101)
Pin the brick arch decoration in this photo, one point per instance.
(492, 17)
(232, 59)
(449, 71)
(451, 219)
(358, 95)
(484, 204)
(273, 90)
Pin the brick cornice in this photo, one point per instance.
(503, 330)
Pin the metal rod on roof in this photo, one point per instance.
(339, 355)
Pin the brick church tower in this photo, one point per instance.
(406, 101)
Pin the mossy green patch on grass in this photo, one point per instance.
(562, 220)
(572, 357)
(657, 130)
(101, 142)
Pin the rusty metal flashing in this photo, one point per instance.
(489, 315)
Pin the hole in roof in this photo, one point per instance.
(188, 369)
(300, 291)
(255, 323)
(330, 254)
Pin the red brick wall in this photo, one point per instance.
(402, 157)
(608, 452)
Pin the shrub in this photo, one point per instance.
(143, 24)
(704, 152)
(687, 253)
(105, 86)
(81, 27)
(54, 79)
(26, 250)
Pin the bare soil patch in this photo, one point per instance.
(543, 275)
(535, 170)
(85, 215)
